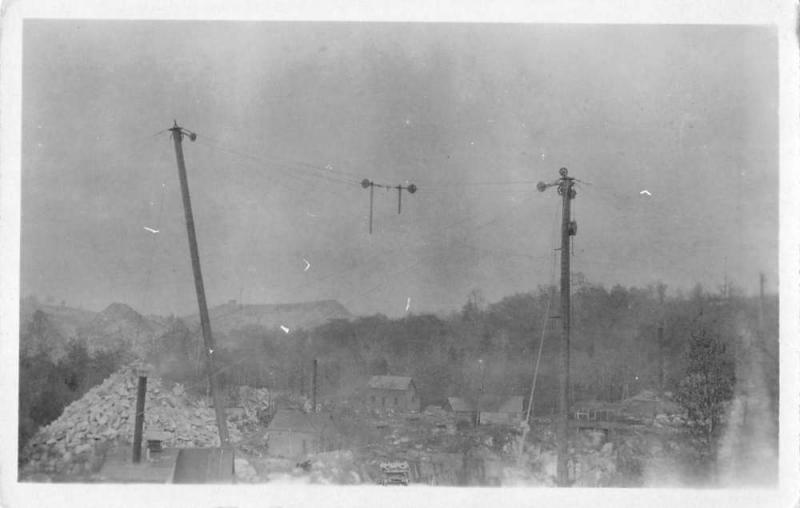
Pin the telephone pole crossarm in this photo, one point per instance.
(366, 183)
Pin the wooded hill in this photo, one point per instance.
(615, 347)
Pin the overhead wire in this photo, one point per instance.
(327, 169)
(347, 177)
(379, 255)
(439, 231)
(252, 158)
(323, 173)
(373, 288)
(545, 322)
(302, 167)
(285, 178)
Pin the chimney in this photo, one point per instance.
(314, 387)
(139, 421)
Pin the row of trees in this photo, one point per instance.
(48, 382)
(617, 351)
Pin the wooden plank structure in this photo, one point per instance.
(171, 465)
(204, 465)
(158, 468)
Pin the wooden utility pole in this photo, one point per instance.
(660, 338)
(566, 189)
(366, 183)
(205, 322)
(761, 280)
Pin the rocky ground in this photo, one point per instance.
(442, 451)
(439, 449)
(73, 446)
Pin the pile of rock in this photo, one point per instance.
(73, 444)
(337, 467)
(596, 468)
(245, 472)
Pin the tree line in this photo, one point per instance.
(617, 351)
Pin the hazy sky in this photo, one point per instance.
(291, 116)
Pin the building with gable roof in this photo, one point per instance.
(392, 392)
(488, 408)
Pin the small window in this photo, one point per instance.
(383, 401)
(373, 399)
(395, 401)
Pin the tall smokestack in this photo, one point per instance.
(661, 359)
(314, 387)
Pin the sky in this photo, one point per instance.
(291, 116)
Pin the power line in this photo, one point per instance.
(307, 168)
(438, 232)
(347, 177)
(446, 184)
(292, 172)
(386, 278)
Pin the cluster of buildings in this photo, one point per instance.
(293, 433)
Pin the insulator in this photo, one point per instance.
(365, 183)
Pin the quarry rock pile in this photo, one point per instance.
(245, 472)
(338, 467)
(74, 444)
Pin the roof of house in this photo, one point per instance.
(297, 421)
(459, 404)
(488, 404)
(390, 382)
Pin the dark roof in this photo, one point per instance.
(390, 382)
(297, 421)
(459, 404)
(488, 404)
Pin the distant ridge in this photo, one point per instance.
(234, 316)
(68, 321)
(120, 327)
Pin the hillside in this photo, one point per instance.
(49, 328)
(120, 328)
(233, 317)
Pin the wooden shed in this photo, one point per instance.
(488, 408)
(392, 392)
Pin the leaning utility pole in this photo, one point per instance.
(568, 228)
(660, 338)
(761, 280)
(205, 322)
